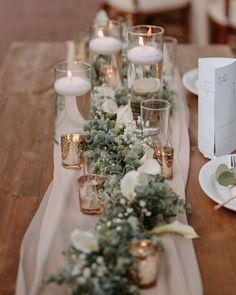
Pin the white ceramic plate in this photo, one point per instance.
(190, 81)
(211, 187)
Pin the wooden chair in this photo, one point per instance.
(222, 20)
(171, 14)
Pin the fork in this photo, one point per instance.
(233, 165)
(232, 161)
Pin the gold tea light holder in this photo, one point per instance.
(165, 157)
(91, 187)
(72, 153)
(144, 270)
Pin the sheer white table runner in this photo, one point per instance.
(59, 214)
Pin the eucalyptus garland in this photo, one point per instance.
(138, 202)
(137, 199)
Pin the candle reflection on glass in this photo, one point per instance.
(145, 263)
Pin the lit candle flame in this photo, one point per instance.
(69, 74)
(149, 33)
(100, 34)
(140, 41)
(110, 24)
(143, 243)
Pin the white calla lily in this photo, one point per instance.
(176, 228)
(128, 184)
(124, 115)
(148, 154)
(84, 241)
(150, 166)
(109, 106)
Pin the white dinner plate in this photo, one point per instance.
(211, 187)
(190, 81)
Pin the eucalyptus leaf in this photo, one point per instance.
(225, 176)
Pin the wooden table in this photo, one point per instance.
(26, 157)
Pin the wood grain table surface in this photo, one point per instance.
(26, 163)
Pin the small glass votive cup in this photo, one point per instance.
(91, 187)
(144, 270)
(170, 47)
(72, 151)
(165, 157)
(155, 118)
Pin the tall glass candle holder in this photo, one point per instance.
(145, 63)
(72, 87)
(145, 263)
(105, 53)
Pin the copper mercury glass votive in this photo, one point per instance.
(145, 263)
(72, 153)
(165, 157)
(91, 187)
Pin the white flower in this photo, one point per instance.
(124, 115)
(142, 204)
(100, 260)
(130, 210)
(84, 241)
(148, 154)
(177, 228)
(86, 272)
(128, 184)
(109, 107)
(150, 166)
(104, 91)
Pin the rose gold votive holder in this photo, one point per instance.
(72, 154)
(91, 187)
(165, 157)
(145, 263)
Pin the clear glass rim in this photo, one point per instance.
(155, 101)
(129, 30)
(87, 67)
(170, 39)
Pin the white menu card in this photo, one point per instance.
(216, 106)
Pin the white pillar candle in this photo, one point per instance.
(144, 55)
(72, 86)
(105, 45)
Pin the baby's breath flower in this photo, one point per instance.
(142, 203)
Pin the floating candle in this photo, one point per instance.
(72, 86)
(144, 54)
(104, 44)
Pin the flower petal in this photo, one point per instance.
(84, 241)
(128, 184)
(124, 115)
(104, 91)
(150, 166)
(177, 228)
(109, 106)
(148, 154)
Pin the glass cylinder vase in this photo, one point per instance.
(105, 53)
(72, 106)
(145, 63)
